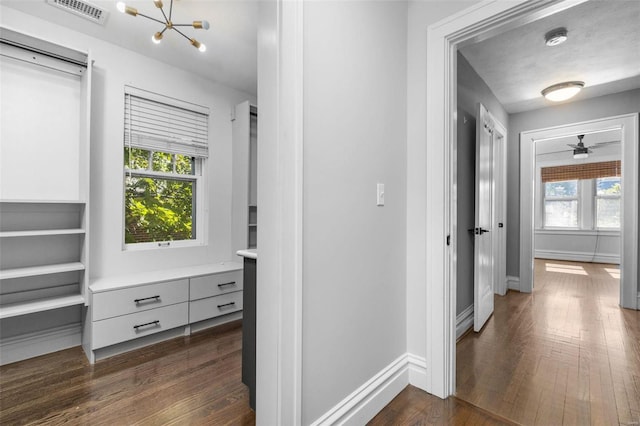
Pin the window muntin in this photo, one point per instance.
(561, 203)
(607, 202)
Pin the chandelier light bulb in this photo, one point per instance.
(202, 48)
(157, 38)
(201, 25)
(121, 6)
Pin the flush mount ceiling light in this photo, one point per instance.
(563, 91)
(556, 37)
(168, 24)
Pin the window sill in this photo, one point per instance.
(166, 245)
(576, 231)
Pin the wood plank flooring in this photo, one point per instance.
(190, 380)
(416, 407)
(566, 354)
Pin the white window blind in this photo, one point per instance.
(158, 123)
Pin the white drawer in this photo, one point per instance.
(211, 307)
(127, 327)
(215, 284)
(128, 300)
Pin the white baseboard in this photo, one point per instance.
(418, 371)
(464, 321)
(513, 283)
(367, 401)
(31, 345)
(638, 304)
(578, 256)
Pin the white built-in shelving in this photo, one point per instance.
(43, 252)
(41, 233)
(40, 305)
(44, 196)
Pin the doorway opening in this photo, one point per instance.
(622, 129)
(442, 43)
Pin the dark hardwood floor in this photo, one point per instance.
(190, 380)
(566, 354)
(416, 407)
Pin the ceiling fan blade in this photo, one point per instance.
(606, 143)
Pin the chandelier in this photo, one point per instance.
(168, 24)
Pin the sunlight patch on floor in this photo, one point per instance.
(565, 269)
(614, 272)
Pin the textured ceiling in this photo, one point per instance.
(603, 50)
(231, 56)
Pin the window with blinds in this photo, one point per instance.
(581, 171)
(596, 186)
(166, 142)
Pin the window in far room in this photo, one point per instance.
(165, 152)
(608, 191)
(561, 204)
(582, 196)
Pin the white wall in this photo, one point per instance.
(574, 112)
(113, 68)
(578, 245)
(354, 298)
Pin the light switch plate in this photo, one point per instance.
(380, 198)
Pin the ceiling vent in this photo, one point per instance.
(82, 8)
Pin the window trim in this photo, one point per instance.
(199, 213)
(587, 220)
(199, 177)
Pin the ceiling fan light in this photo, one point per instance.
(556, 37)
(580, 155)
(562, 91)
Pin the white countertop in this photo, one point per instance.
(248, 253)
(142, 278)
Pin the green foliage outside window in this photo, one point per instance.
(158, 208)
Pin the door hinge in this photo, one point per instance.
(448, 240)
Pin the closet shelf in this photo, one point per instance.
(9, 234)
(19, 201)
(40, 305)
(33, 271)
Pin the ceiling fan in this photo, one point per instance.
(580, 151)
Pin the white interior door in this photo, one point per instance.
(484, 211)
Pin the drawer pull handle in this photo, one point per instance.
(226, 304)
(226, 284)
(151, 299)
(153, 323)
